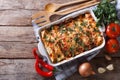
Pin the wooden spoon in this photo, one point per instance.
(52, 7)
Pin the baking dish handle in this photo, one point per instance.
(39, 62)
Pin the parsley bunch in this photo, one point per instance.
(106, 13)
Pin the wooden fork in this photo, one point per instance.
(42, 17)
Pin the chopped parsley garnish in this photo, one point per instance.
(62, 31)
(51, 40)
(82, 44)
(45, 36)
(84, 23)
(80, 29)
(66, 53)
(69, 29)
(75, 23)
(72, 50)
(87, 33)
(96, 30)
(76, 39)
(86, 48)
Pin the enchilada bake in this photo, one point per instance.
(71, 37)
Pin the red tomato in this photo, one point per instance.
(113, 30)
(112, 46)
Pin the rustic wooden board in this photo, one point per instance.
(11, 69)
(17, 34)
(27, 4)
(23, 69)
(103, 53)
(106, 76)
(19, 4)
(17, 42)
(16, 17)
(11, 66)
(21, 76)
(16, 49)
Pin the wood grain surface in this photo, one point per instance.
(22, 69)
(17, 40)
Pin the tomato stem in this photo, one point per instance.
(114, 46)
(113, 29)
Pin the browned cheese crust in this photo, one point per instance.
(72, 37)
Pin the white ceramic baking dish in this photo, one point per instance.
(43, 51)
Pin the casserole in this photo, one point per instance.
(42, 47)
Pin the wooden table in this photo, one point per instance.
(17, 40)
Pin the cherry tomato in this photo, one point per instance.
(112, 46)
(113, 30)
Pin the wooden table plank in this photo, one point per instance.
(19, 4)
(24, 69)
(16, 50)
(11, 66)
(117, 55)
(11, 69)
(16, 17)
(17, 42)
(21, 76)
(17, 34)
(27, 4)
(105, 76)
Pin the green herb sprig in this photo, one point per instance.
(106, 13)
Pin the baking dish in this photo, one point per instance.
(43, 51)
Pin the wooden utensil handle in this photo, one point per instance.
(78, 7)
(72, 2)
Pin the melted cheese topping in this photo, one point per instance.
(68, 39)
